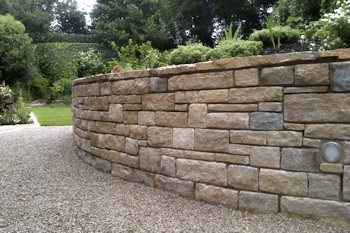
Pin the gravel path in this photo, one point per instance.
(44, 187)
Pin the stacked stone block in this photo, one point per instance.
(240, 132)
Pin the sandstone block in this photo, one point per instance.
(183, 188)
(266, 121)
(228, 120)
(331, 168)
(181, 107)
(113, 156)
(215, 80)
(293, 126)
(81, 133)
(158, 102)
(258, 202)
(183, 138)
(284, 138)
(315, 207)
(130, 117)
(255, 94)
(133, 175)
(283, 182)
(112, 142)
(186, 97)
(167, 165)
(132, 107)
(243, 177)
(150, 159)
(232, 107)
(116, 99)
(173, 152)
(313, 74)
(248, 137)
(131, 146)
(102, 165)
(270, 107)
(211, 140)
(138, 132)
(308, 142)
(197, 115)
(158, 84)
(132, 99)
(282, 75)
(239, 149)
(96, 152)
(160, 136)
(122, 130)
(198, 171)
(197, 155)
(171, 119)
(130, 87)
(115, 112)
(96, 103)
(317, 108)
(324, 186)
(340, 76)
(106, 88)
(143, 177)
(104, 127)
(265, 157)
(128, 160)
(346, 153)
(328, 131)
(346, 183)
(295, 159)
(235, 159)
(298, 90)
(246, 77)
(146, 118)
(213, 96)
(217, 195)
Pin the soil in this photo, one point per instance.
(287, 48)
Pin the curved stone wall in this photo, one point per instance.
(240, 132)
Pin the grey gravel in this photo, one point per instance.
(44, 187)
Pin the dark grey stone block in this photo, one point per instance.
(266, 121)
(306, 160)
(340, 76)
(158, 84)
(102, 165)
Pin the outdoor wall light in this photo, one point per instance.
(331, 151)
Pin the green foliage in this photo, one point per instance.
(68, 38)
(16, 51)
(285, 35)
(228, 33)
(232, 48)
(191, 53)
(61, 88)
(89, 63)
(39, 88)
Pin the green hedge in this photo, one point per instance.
(67, 38)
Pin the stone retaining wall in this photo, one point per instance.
(240, 132)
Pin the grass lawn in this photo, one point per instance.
(53, 115)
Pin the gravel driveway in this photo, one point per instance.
(44, 187)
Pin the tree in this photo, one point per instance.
(16, 51)
(69, 19)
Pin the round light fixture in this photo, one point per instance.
(331, 152)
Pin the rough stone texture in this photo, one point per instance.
(270, 107)
(311, 142)
(248, 137)
(265, 157)
(133, 175)
(283, 182)
(346, 183)
(217, 195)
(130, 117)
(115, 112)
(181, 107)
(102, 165)
(122, 130)
(132, 99)
(328, 131)
(183, 138)
(284, 138)
(106, 88)
(197, 155)
(138, 132)
(171, 119)
(243, 177)
(324, 186)
(167, 165)
(246, 77)
(239, 149)
(235, 159)
(258, 202)
(183, 188)
(346, 153)
(104, 127)
(255, 94)
(332, 168)
(266, 121)
(150, 159)
(107, 141)
(132, 107)
(300, 159)
(197, 115)
(131, 146)
(160, 136)
(88, 90)
(125, 159)
(293, 126)
(340, 76)
(158, 84)
(130, 87)
(232, 107)
(173, 152)
(317, 108)
(146, 118)
(228, 120)
(282, 75)
(313, 75)
(202, 171)
(211, 140)
(213, 96)
(299, 90)
(158, 102)
(315, 207)
(201, 81)
(96, 103)
(186, 97)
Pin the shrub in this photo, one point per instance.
(67, 38)
(61, 89)
(188, 54)
(89, 63)
(231, 48)
(286, 34)
(39, 88)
